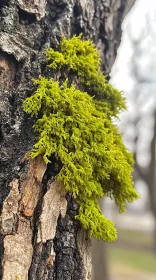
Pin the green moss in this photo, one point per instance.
(77, 128)
(82, 59)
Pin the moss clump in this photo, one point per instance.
(82, 59)
(77, 128)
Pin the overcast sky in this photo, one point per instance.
(136, 21)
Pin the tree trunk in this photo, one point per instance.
(100, 260)
(100, 257)
(39, 236)
(148, 174)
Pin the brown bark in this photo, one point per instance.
(39, 236)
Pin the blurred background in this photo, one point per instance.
(133, 255)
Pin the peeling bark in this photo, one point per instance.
(39, 235)
(17, 257)
(36, 7)
(53, 205)
(17, 222)
(32, 187)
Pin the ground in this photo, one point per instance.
(122, 272)
(132, 257)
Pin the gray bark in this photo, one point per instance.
(32, 247)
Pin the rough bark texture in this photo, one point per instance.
(27, 28)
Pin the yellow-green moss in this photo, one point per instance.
(77, 128)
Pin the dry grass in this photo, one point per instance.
(124, 272)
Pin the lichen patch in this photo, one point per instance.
(10, 208)
(14, 45)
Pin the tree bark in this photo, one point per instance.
(39, 236)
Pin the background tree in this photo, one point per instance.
(27, 28)
(139, 123)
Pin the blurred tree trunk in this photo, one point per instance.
(100, 260)
(100, 257)
(152, 175)
(39, 236)
(142, 80)
(148, 175)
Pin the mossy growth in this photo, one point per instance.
(76, 127)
